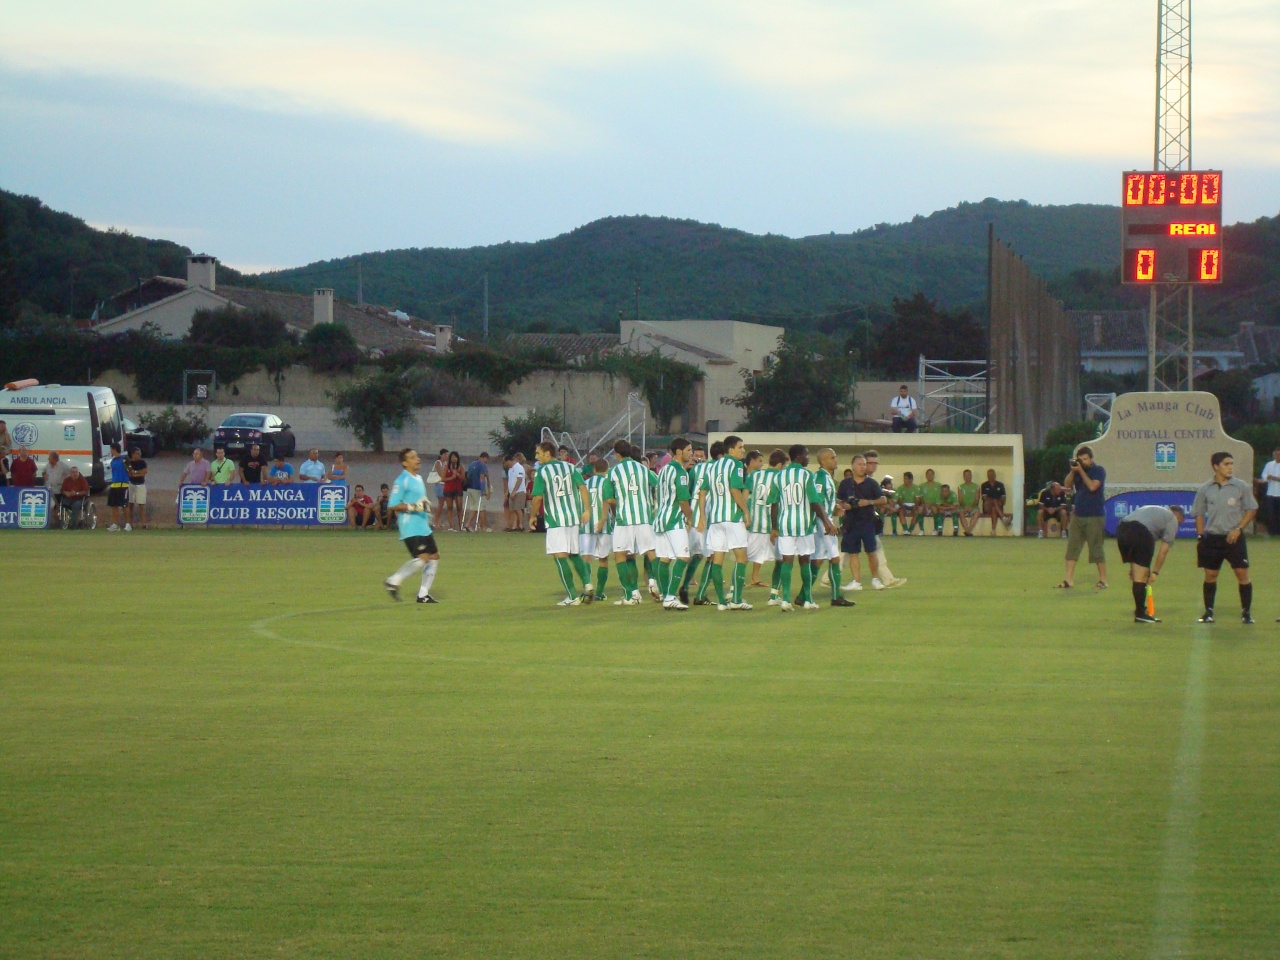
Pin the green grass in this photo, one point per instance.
(232, 745)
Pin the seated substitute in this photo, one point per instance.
(993, 499)
(969, 495)
(948, 506)
(1136, 537)
(910, 505)
(1053, 505)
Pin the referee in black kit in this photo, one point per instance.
(1223, 508)
(1136, 537)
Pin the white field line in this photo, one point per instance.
(1175, 902)
(263, 629)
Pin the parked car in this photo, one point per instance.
(241, 430)
(140, 437)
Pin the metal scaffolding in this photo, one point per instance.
(959, 389)
(632, 424)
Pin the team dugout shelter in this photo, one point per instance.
(947, 454)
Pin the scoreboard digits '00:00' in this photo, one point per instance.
(1171, 226)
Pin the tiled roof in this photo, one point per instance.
(569, 346)
(708, 355)
(1110, 332)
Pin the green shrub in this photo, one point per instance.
(1263, 437)
(331, 348)
(1046, 464)
(370, 406)
(521, 434)
(1073, 433)
(174, 430)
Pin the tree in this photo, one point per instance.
(369, 407)
(804, 389)
(9, 299)
(232, 327)
(521, 434)
(331, 348)
(919, 327)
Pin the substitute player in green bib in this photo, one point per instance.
(559, 492)
(671, 523)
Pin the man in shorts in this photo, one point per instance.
(1223, 507)
(476, 494)
(726, 509)
(626, 492)
(994, 497)
(560, 496)
(1052, 505)
(797, 510)
(910, 505)
(887, 579)
(361, 511)
(760, 532)
(860, 497)
(930, 492)
(517, 494)
(413, 519)
(826, 546)
(948, 506)
(590, 543)
(699, 551)
(969, 495)
(671, 523)
(1088, 525)
(1137, 537)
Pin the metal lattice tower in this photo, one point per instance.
(1171, 324)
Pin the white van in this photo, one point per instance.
(80, 423)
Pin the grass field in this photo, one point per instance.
(233, 745)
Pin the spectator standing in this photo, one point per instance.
(1223, 507)
(312, 468)
(118, 489)
(477, 493)
(74, 493)
(22, 471)
(339, 471)
(279, 473)
(252, 466)
(222, 472)
(360, 510)
(454, 478)
(1270, 480)
(517, 492)
(903, 409)
(137, 470)
(55, 474)
(435, 479)
(197, 471)
(1052, 505)
(1088, 482)
(994, 496)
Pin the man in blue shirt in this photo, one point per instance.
(1088, 480)
(477, 493)
(118, 489)
(409, 502)
(280, 472)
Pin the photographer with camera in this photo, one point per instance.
(1088, 525)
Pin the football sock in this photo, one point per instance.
(893, 522)
(717, 579)
(676, 577)
(691, 571)
(739, 582)
(784, 580)
(602, 577)
(1139, 598)
(633, 576)
(428, 577)
(886, 575)
(806, 582)
(580, 565)
(1210, 594)
(955, 523)
(705, 582)
(664, 576)
(835, 581)
(566, 576)
(648, 567)
(1246, 597)
(406, 571)
(938, 520)
(777, 577)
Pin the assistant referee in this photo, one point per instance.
(1136, 537)
(1223, 508)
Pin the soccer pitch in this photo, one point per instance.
(232, 744)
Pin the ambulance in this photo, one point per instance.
(80, 423)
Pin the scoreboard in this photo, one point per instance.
(1171, 226)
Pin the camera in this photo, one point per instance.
(1074, 462)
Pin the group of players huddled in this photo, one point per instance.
(718, 514)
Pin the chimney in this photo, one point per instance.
(323, 300)
(444, 337)
(202, 271)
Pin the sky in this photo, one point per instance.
(277, 133)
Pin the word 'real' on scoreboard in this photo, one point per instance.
(1171, 222)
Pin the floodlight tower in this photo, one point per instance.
(1171, 323)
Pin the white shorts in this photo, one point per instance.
(760, 548)
(825, 547)
(138, 494)
(598, 545)
(633, 538)
(562, 540)
(672, 545)
(796, 546)
(723, 537)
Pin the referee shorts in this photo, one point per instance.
(1137, 544)
(1213, 548)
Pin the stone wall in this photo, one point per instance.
(465, 429)
(588, 399)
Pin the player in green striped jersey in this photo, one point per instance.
(626, 491)
(559, 493)
(590, 543)
(671, 523)
(724, 501)
(826, 547)
(798, 508)
(697, 542)
(761, 537)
